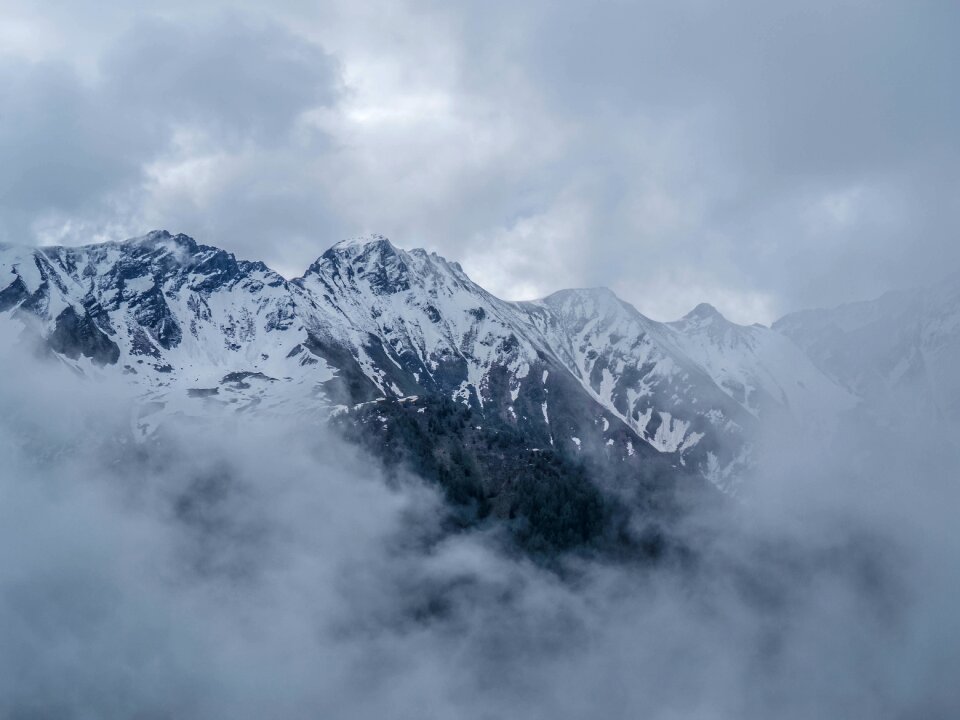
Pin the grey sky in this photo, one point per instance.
(760, 156)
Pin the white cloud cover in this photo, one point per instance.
(758, 156)
(252, 568)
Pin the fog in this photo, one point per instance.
(254, 567)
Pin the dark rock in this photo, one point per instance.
(75, 335)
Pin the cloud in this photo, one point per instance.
(709, 133)
(56, 153)
(772, 157)
(251, 567)
(182, 122)
(232, 80)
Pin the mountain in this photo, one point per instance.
(897, 355)
(371, 329)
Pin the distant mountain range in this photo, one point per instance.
(376, 336)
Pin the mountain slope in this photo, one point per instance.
(760, 368)
(177, 320)
(193, 331)
(897, 355)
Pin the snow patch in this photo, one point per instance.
(670, 434)
(140, 284)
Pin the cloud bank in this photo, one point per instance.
(760, 157)
(251, 568)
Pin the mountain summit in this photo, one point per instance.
(192, 330)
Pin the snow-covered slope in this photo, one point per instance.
(414, 321)
(898, 355)
(193, 330)
(698, 386)
(763, 370)
(410, 323)
(183, 324)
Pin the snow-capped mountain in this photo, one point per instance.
(763, 370)
(192, 330)
(898, 355)
(176, 320)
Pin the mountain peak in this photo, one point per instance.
(364, 248)
(371, 257)
(386, 266)
(362, 244)
(163, 237)
(595, 294)
(594, 301)
(598, 292)
(704, 312)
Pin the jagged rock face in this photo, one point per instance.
(415, 321)
(634, 366)
(579, 372)
(181, 315)
(78, 335)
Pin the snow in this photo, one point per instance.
(138, 285)
(546, 418)
(644, 419)
(754, 364)
(607, 384)
(690, 441)
(22, 262)
(670, 433)
(427, 315)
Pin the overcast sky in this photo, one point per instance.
(762, 156)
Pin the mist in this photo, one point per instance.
(259, 567)
(202, 560)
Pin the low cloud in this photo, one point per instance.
(253, 567)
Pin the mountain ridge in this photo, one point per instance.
(369, 320)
